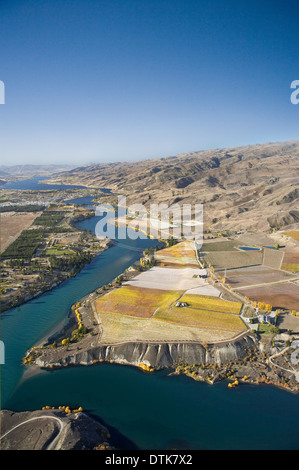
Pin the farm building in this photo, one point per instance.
(203, 274)
(267, 318)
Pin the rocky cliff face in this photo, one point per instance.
(159, 356)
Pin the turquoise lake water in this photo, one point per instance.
(154, 411)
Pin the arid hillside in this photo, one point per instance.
(248, 187)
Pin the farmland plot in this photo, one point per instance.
(202, 318)
(239, 278)
(233, 259)
(134, 301)
(142, 314)
(13, 223)
(291, 262)
(212, 304)
(284, 295)
(169, 279)
(181, 253)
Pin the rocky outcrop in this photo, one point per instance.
(284, 218)
(160, 356)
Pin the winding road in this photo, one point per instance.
(53, 443)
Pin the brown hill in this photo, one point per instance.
(254, 186)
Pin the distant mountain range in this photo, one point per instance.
(32, 170)
(250, 187)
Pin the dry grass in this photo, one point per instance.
(122, 328)
(294, 234)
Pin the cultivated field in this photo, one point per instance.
(181, 253)
(211, 304)
(136, 302)
(223, 245)
(273, 258)
(171, 279)
(291, 262)
(232, 259)
(202, 319)
(253, 275)
(284, 295)
(142, 314)
(122, 328)
(12, 224)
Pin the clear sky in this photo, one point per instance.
(112, 80)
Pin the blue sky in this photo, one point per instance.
(113, 80)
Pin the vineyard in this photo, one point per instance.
(151, 314)
(202, 318)
(181, 253)
(135, 301)
(211, 304)
(291, 262)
